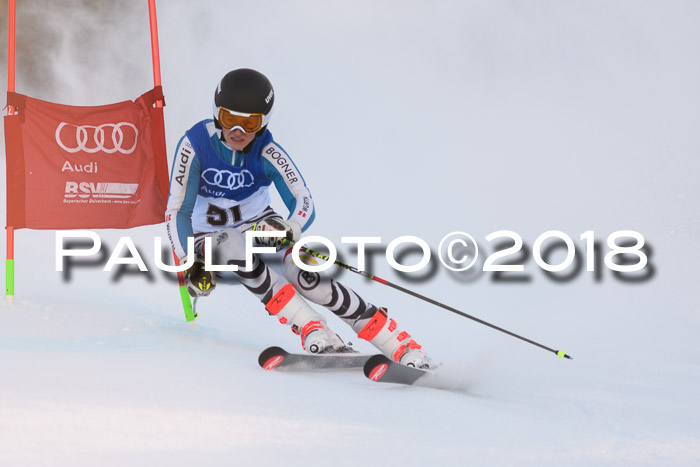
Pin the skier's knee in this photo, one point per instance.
(311, 285)
(228, 247)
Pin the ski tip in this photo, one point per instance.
(373, 365)
(271, 358)
(376, 372)
(562, 354)
(273, 362)
(382, 369)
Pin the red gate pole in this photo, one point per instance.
(154, 46)
(10, 256)
(184, 295)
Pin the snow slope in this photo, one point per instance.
(418, 118)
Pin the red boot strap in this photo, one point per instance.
(403, 335)
(375, 324)
(399, 353)
(403, 348)
(310, 326)
(280, 299)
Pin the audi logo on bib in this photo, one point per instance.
(227, 179)
(108, 138)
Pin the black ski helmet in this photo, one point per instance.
(247, 91)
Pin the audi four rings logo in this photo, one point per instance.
(227, 179)
(108, 138)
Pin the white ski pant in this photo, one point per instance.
(228, 248)
(273, 289)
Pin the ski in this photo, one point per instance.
(276, 357)
(384, 370)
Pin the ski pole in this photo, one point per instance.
(559, 353)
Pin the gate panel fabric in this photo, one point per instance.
(72, 167)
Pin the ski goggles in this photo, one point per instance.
(250, 123)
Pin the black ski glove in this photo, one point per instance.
(199, 282)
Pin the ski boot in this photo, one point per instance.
(316, 337)
(384, 334)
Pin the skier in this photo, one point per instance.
(219, 188)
